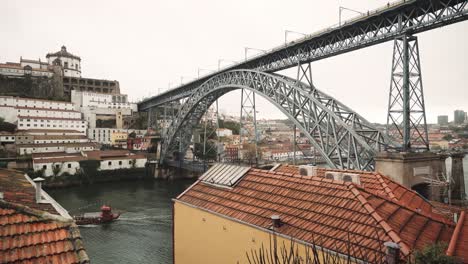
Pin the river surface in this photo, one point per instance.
(143, 234)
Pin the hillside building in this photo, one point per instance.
(106, 136)
(62, 66)
(28, 113)
(70, 63)
(69, 163)
(103, 107)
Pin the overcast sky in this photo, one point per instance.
(147, 45)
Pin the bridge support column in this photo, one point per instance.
(406, 119)
(249, 113)
(153, 118)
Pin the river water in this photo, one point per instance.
(143, 234)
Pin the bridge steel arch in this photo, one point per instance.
(342, 137)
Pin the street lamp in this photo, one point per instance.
(182, 79)
(246, 49)
(200, 69)
(221, 60)
(349, 9)
(293, 32)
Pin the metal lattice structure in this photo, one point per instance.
(372, 28)
(406, 120)
(342, 137)
(248, 115)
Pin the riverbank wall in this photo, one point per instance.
(67, 180)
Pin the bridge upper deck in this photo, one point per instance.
(370, 28)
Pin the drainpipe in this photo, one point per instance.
(38, 181)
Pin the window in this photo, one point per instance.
(130, 162)
(57, 166)
(69, 165)
(120, 162)
(44, 167)
(109, 163)
(65, 64)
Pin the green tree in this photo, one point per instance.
(448, 137)
(211, 151)
(234, 126)
(56, 168)
(434, 254)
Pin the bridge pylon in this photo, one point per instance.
(406, 119)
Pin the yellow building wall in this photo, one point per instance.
(118, 137)
(202, 237)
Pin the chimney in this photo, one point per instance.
(38, 182)
(276, 221)
(392, 253)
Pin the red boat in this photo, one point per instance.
(105, 216)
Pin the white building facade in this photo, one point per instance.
(96, 106)
(29, 113)
(104, 135)
(71, 64)
(28, 149)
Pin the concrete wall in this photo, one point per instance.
(49, 149)
(411, 169)
(458, 177)
(124, 163)
(68, 167)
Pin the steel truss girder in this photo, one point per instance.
(409, 17)
(406, 119)
(341, 136)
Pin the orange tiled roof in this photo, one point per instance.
(57, 159)
(45, 109)
(33, 236)
(322, 211)
(32, 232)
(43, 145)
(378, 184)
(54, 154)
(48, 131)
(44, 137)
(50, 118)
(17, 189)
(459, 243)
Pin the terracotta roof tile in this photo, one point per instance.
(318, 209)
(381, 185)
(33, 232)
(32, 236)
(50, 118)
(17, 189)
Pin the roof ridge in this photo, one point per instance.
(407, 189)
(397, 202)
(380, 221)
(385, 186)
(456, 233)
(41, 215)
